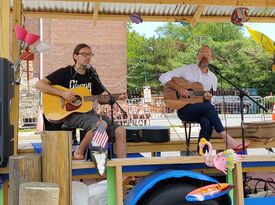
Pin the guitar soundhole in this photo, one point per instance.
(78, 101)
(191, 93)
(74, 105)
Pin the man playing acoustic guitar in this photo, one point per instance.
(203, 111)
(76, 76)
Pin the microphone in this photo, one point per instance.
(88, 66)
(91, 68)
(214, 69)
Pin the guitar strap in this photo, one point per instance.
(90, 74)
(73, 72)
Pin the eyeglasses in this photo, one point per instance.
(207, 54)
(84, 54)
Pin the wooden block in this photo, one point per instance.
(57, 163)
(22, 168)
(38, 193)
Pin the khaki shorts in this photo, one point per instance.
(88, 120)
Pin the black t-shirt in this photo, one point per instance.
(67, 77)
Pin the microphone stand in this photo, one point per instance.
(241, 95)
(112, 101)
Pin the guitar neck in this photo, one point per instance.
(99, 97)
(218, 92)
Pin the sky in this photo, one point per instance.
(148, 28)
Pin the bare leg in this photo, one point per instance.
(232, 143)
(120, 139)
(80, 150)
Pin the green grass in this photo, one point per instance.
(26, 130)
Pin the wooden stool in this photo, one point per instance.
(187, 134)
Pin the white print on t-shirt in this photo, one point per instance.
(74, 84)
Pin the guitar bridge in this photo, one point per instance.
(62, 102)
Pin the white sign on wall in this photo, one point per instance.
(147, 94)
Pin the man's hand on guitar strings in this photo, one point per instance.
(184, 92)
(207, 96)
(69, 96)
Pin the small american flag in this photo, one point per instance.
(100, 137)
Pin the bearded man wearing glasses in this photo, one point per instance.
(78, 76)
(204, 112)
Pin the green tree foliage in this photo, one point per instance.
(238, 57)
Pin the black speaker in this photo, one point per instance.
(6, 94)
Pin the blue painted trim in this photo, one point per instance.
(269, 200)
(148, 182)
(258, 164)
(79, 172)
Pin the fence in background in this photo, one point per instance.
(138, 113)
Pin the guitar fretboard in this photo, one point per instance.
(100, 97)
(218, 92)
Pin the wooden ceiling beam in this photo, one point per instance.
(197, 15)
(107, 17)
(95, 13)
(260, 3)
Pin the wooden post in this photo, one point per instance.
(5, 29)
(57, 163)
(6, 191)
(111, 185)
(38, 193)
(119, 188)
(22, 168)
(1, 194)
(16, 20)
(238, 182)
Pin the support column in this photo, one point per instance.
(5, 29)
(111, 189)
(57, 163)
(16, 20)
(119, 188)
(238, 182)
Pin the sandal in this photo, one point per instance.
(239, 147)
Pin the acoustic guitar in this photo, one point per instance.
(56, 108)
(175, 101)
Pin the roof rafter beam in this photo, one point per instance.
(260, 3)
(95, 13)
(197, 15)
(109, 17)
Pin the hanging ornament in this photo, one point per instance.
(135, 18)
(239, 16)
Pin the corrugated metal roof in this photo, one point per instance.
(161, 11)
